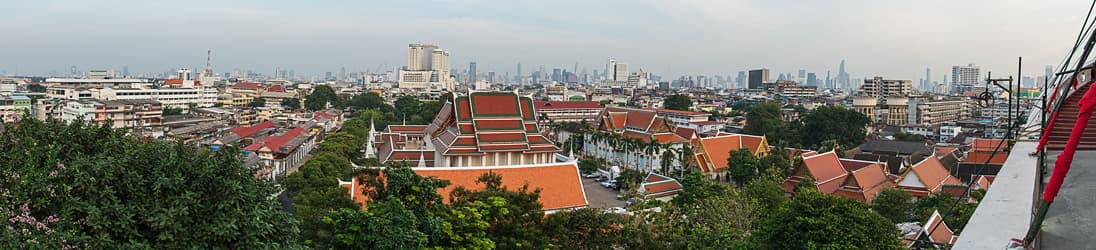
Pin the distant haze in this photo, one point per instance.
(896, 39)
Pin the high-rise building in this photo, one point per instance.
(842, 76)
(758, 77)
(927, 85)
(879, 87)
(472, 72)
(740, 81)
(427, 67)
(802, 76)
(1050, 72)
(519, 74)
(965, 79)
(812, 79)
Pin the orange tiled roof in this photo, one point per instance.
(275, 142)
(487, 122)
(941, 233)
(929, 177)
(559, 183)
(826, 170)
(980, 157)
(866, 183)
(717, 149)
(987, 145)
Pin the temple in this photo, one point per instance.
(478, 130)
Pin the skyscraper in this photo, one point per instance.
(519, 74)
(927, 85)
(842, 76)
(740, 81)
(1050, 72)
(427, 66)
(758, 77)
(812, 79)
(472, 73)
(802, 76)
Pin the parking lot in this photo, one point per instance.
(598, 196)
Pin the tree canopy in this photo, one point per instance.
(110, 190)
(678, 102)
(845, 126)
(321, 96)
(814, 220)
(766, 119)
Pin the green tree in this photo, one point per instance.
(678, 102)
(698, 189)
(172, 111)
(824, 123)
(718, 222)
(814, 220)
(257, 102)
(743, 165)
(321, 96)
(585, 228)
(291, 103)
(406, 106)
(956, 218)
(894, 204)
(766, 119)
(902, 136)
(386, 225)
(89, 193)
(513, 216)
(588, 166)
(36, 88)
(768, 192)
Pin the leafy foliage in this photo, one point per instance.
(824, 123)
(172, 111)
(291, 103)
(257, 102)
(743, 165)
(321, 96)
(110, 190)
(814, 220)
(678, 102)
(766, 119)
(894, 204)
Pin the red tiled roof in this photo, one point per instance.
(276, 88)
(942, 151)
(826, 170)
(247, 85)
(274, 142)
(687, 133)
(245, 132)
(941, 233)
(493, 104)
(680, 112)
(656, 185)
(982, 181)
(866, 183)
(551, 105)
(980, 157)
(702, 123)
(987, 145)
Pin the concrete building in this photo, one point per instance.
(427, 68)
(568, 111)
(14, 107)
(129, 113)
(879, 87)
(966, 79)
(757, 78)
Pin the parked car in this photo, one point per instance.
(592, 175)
(606, 184)
(630, 202)
(618, 210)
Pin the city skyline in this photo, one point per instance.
(320, 38)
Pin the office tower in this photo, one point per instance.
(1050, 72)
(557, 75)
(965, 78)
(617, 71)
(829, 81)
(758, 77)
(490, 76)
(575, 69)
(812, 79)
(780, 77)
(519, 73)
(342, 74)
(927, 85)
(472, 73)
(125, 71)
(842, 76)
(802, 76)
(740, 81)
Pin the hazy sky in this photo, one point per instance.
(896, 39)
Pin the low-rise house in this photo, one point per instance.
(280, 152)
(856, 179)
(711, 153)
(928, 177)
(659, 187)
(568, 111)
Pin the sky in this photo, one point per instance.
(893, 39)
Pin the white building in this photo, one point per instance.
(427, 68)
(81, 109)
(965, 78)
(169, 97)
